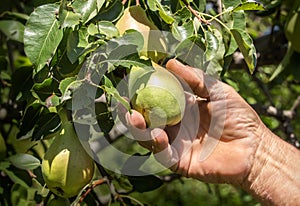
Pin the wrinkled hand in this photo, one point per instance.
(217, 139)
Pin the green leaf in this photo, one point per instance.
(104, 117)
(230, 3)
(165, 14)
(103, 27)
(31, 115)
(215, 59)
(13, 30)
(4, 165)
(67, 16)
(246, 46)
(182, 15)
(42, 35)
(163, 11)
(45, 89)
(145, 183)
(15, 178)
(249, 5)
(88, 9)
(66, 85)
(76, 44)
(184, 31)
(22, 82)
(47, 124)
(212, 45)
(24, 161)
(111, 12)
(283, 64)
(17, 15)
(191, 51)
(115, 94)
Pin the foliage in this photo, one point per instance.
(58, 56)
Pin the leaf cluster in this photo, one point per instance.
(66, 59)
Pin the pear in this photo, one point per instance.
(66, 165)
(157, 94)
(135, 17)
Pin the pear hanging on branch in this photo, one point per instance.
(66, 166)
(155, 46)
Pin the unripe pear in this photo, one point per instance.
(157, 94)
(66, 166)
(135, 17)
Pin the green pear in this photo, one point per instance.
(135, 17)
(66, 166)
(157, 94)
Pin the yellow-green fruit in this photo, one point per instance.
(292, 31)
(135, 17)
(58, 201)
(66, 166)
(157, 95)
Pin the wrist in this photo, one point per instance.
(275, 171)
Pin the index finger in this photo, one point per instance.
(194, 78)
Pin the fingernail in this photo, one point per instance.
(127, 119)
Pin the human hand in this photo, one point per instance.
(217, 139)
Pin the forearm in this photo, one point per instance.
(275, 176)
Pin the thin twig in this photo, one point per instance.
(195, 13)
(296, 104)
(94, 184)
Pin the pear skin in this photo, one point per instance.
(157, 95)
(66, 166)
(135, 17)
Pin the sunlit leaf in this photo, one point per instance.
(214, 66)
(103, 27)
(115, 94)
(212, 45)
(249, 5)
(191, 51)
(163, 11)
(184, 31)
(45, 89)
(42, 35)
(246, 46)
(67, 16)
(13, 30)
(67, 86)
(24, 161)
(88, 9)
